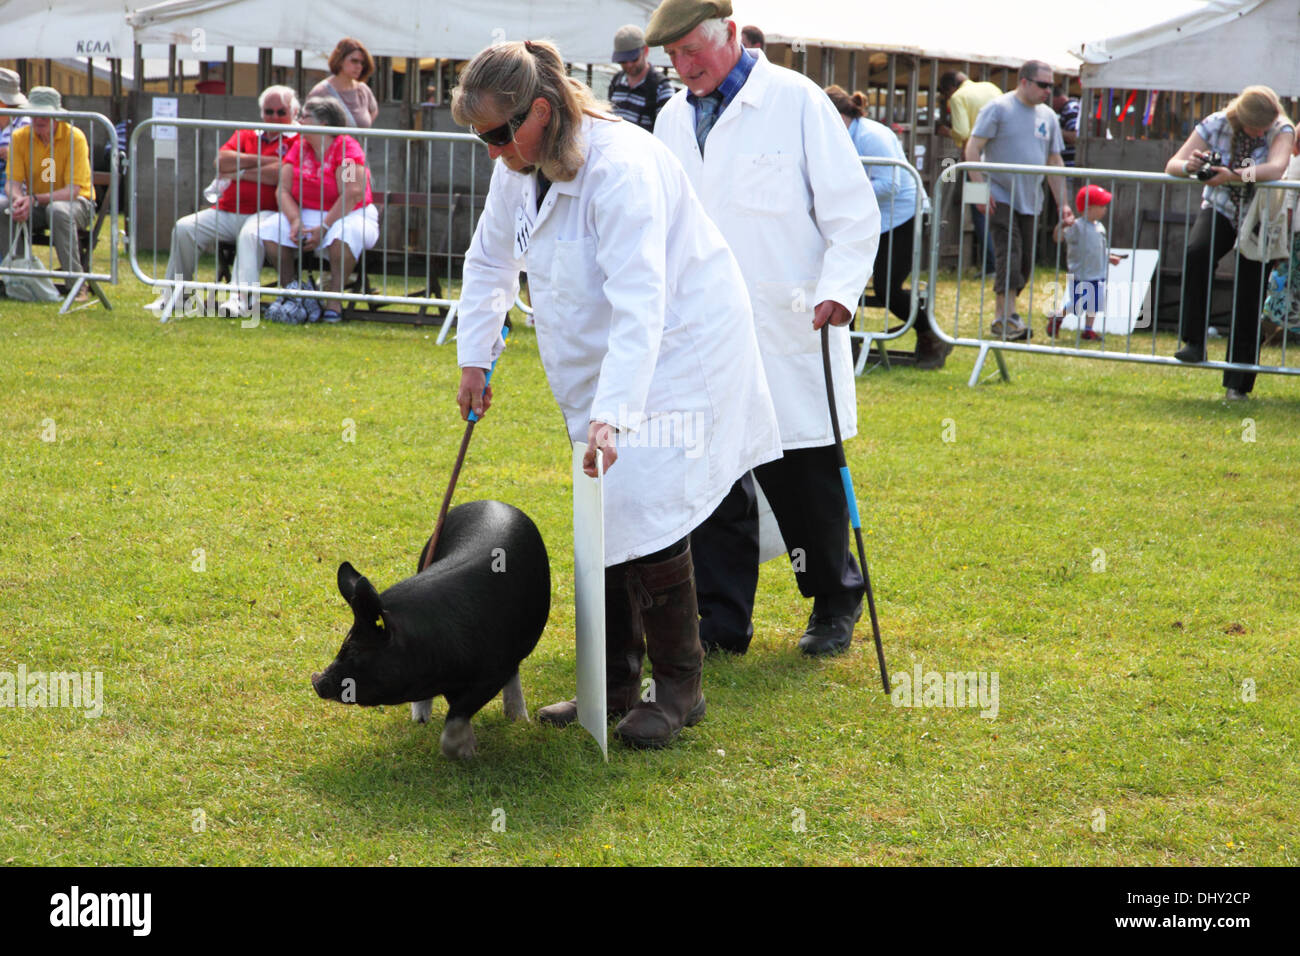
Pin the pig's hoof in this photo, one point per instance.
(512, 700)
(421, 710)
(458, 740)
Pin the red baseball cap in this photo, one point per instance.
(1091, 196)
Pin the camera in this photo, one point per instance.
(1213, 158)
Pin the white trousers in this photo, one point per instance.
(359, 229)
(201, 232)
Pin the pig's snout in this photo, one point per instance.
(321, 686)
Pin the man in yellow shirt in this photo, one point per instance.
(49, 177)
(965, 100)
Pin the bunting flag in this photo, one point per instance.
(1128, 105)
(1101, 106)
(1149, 113)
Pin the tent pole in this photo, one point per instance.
(889, 96)
(912, 95)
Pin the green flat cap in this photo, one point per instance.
(675, 18)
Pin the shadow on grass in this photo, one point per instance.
(548, 780)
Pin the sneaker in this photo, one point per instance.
(1090, 335)
(1011, 329)
(1235, 395)
(1054, 325)
(331, 316)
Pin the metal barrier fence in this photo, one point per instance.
(426, 194)
(887, 183)
(1134, 292)
(101, 151)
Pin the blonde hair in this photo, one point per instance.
(506, 78)
(1257, 107)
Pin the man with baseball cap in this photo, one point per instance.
(11, 97)
(49, 178)
(777, 172)
(640, 91)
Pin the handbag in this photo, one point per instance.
(24, 276)
(1263, 233)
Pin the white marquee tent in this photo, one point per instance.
(584, 29)
(998, 31)
(1003, 32)
(1220, 48)
(59, 29)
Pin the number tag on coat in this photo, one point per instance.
(523, 229)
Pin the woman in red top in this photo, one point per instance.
(325, 207)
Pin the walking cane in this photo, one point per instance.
(847, 480)
(427, 558)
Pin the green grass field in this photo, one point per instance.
(1113, 541)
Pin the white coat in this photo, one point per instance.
(782, 180)
(642, 322)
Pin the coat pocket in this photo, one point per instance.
(768, 184)
(783, 315)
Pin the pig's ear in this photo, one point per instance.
(361, 596)
(348, 578)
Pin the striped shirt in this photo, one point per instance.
(640, 104)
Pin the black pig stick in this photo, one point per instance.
(851, 497)
(427, 558)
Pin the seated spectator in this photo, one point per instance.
(248, 170)
(49, 180)
(350, 66)
(326, 208)
(1247, 142)
(11, 98)
(895, 191)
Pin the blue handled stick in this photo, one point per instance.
(427, 558)
(847, 480)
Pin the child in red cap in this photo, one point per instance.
(1087, 255)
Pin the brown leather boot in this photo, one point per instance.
(665, 592)
(624, 651)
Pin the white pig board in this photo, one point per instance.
(589, 595)
(770, 543)
(1128, 290)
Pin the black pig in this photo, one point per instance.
(458, 629)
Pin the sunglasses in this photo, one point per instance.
(505, 133)
(267, 111)
(1041, 85)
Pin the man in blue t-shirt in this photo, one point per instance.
(1021, 128)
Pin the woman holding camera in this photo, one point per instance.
(1230, 151)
